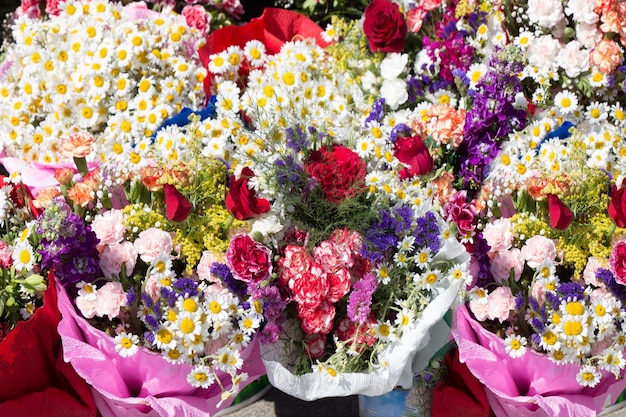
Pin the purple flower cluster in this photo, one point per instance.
(68, 246)
(360, 299)
(297, 139)
(273, 311)
(377, 112)
(491, 118)
(427, 232)
(449, 49)
(384, 234)
(618, 290)
(480, 253)
(222, 271)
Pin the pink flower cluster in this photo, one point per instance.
(104, 301)
(316, 281)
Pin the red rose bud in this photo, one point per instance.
(414, 154)
(560, 215)
(242, 201)
(617, 207)
(177, 207)
(384, 26)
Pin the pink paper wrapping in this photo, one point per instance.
(531, 385)
(144, 384)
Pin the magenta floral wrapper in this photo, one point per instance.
(144, 384)
(531, 385)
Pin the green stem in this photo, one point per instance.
(227, 226)
(81, 164)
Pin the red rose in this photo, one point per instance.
(384, 26)
(617, 207)
(317, 320)
(249, 260)
(617, 262)
(177, 207)
(241, 201)
(414, 154)
(560, 215)
(339, 171)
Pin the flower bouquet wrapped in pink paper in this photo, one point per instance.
(544, 324)
(148, 320)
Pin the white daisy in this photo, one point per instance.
(201, 377)
(126, 344)
(588, 376)
(23, 256)
(515, 345)
(566, 101)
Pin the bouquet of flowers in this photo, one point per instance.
(347, 250)
(33, 375)
(132, 253)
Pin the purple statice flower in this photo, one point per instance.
(377, 112)
(618, 290)
(381, 236)
(296, 139)
(481, 258)
(553, 299)
(399, 130)
(426, 232)
(520, 300)
(169, 296)
(234, 285)
(571, 291)
(536, 339)
(131, 296)
(360, 299)
(151, 321)
(289, 173)
(415, 89)
(186, 287)
(149, 337)
(537, 323)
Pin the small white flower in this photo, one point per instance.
(515, 345)
(588, 376)
(126, 344)
(392, 66)
(201, 377)
(23, 256)
(566, 101)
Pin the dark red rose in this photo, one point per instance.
(384, 26)
(617, 207)
(339, 171)
(414, 154)
(560, 215)
(242, 201)
(177, 207)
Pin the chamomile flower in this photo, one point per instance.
(23, 256)
(228, 360)
(524, 39)
(596, 112)
(161, 265)
(254, 51)
(566, 101)
(216, 306)
(28, 310)
(475, 72)
(249, 323)
(86, 290)
(612, 360)
(588, 376)
(201, 376)
(126, 344)
(515, 345)
(405, 319)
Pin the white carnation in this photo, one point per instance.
(582, 11)
(542, 52)
(545, 13)
(393, 65)
(574, 59)
(394, 92)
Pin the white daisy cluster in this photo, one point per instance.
(116, 72)
(535, 150)
(203, 327)
(297, 86)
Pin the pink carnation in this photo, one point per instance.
(310, 288)
(6, 259)
(114, 256)
(295, 262)
(110, 298)
(151, 242)
(108, 227)
(318, 319)
(498, 234)
(197, 17)
(86, 304)
(501, 302)
(506, 261)
(204, 267)
(538, 249)
(606, 56)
